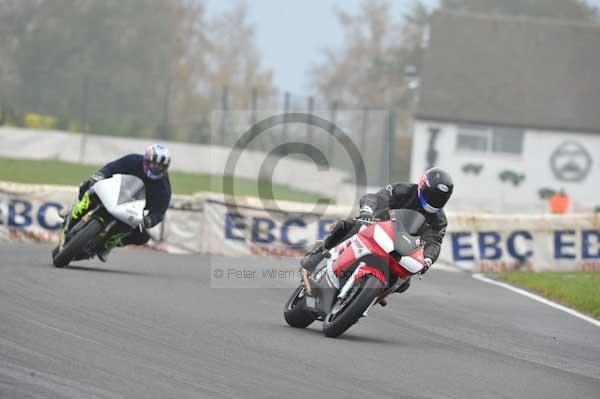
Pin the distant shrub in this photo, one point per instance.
(73, 127)
(37, 121)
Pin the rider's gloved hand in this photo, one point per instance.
(147, 222)
(427, 262)
(366, 214)
(83, 187)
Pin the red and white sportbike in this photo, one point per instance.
(360, 273)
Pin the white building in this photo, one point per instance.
(511, 108)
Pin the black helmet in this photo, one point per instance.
(435, 189)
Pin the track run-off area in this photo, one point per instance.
(152, 325)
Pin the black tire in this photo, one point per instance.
(367, 289)
(295, 313)
(77, 243)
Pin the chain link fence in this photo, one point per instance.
(372, 131)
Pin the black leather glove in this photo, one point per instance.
(147, 222)
(83, 187)
(366, 214)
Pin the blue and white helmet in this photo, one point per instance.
(156, 161)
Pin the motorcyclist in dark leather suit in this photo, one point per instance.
(428, 197)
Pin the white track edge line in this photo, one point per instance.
(480, 277)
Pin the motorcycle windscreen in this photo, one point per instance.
(132, 189)
(407, 227)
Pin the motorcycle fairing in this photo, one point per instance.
(123, 196)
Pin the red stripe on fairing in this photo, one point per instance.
(400, 270)
(344, 261)
(388, 228)
(397, 269)
(370, 240)
(366, 270)
(418, 255)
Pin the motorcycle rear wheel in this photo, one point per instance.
(367, 290)
(77, 243)
(295, 313)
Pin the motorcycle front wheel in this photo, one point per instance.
(295, 313)
(77, 243)
(346, 311)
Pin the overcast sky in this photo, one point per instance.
(292, 33)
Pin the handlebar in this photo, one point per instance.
(366, 221)
(363, 221)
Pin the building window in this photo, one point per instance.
(507, 141)
(489, 140)
(472, 139)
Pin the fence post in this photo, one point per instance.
(164, 128)
(286, 109)
(309, 126)
(83, 116)
(332, 135)
(254, 105)
(225, 107)
(364, 127)
(260, 142)
(388, 154)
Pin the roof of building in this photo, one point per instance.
(511, 71)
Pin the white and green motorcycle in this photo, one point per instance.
(106, 213)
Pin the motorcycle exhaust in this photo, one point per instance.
(307, 285)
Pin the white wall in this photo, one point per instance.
(486, 192)
(187, 157)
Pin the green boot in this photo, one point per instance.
(79, 209)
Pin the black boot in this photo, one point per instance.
(103, 254)
(314, 256)
(403, 287)
(341, 230)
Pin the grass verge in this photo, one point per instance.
(579, 290)
(58, 172)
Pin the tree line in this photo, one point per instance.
(158, 67)
(134, 67)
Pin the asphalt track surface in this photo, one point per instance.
(149, 325)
